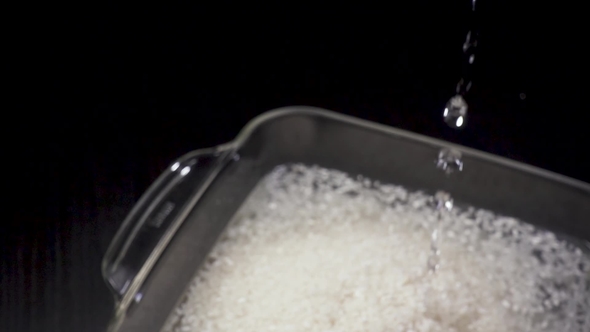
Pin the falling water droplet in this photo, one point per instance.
(470, 43)
(449, 160)
(455, 113)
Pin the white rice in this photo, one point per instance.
(315, 250)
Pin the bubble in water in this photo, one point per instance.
(449, 160)
(455, 113)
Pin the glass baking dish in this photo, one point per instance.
(165, 238)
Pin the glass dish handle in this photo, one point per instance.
(154, 220)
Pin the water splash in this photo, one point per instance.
(449, 161)
(443, 203)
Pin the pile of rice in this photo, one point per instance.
(315, 250)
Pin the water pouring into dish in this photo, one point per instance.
(314, 248)
(455, 116)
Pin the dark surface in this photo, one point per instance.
(102, 98)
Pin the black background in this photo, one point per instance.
(101, 97)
